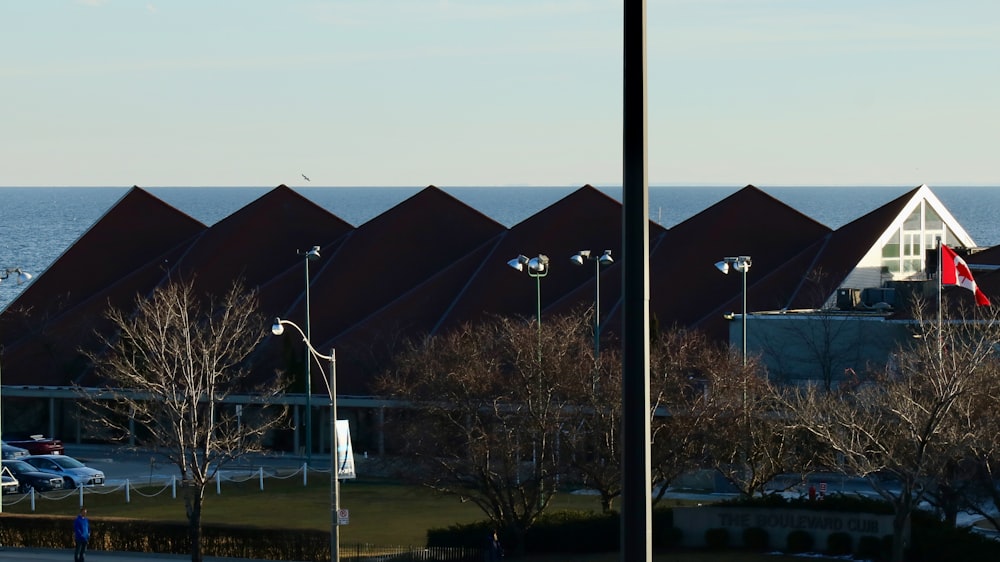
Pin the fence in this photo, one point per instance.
(169, 485)
(376, 553)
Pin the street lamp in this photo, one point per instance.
(277, 329)
(604, 259)
(311, 255)
(742, 264)
(538, 267)
(22, 277)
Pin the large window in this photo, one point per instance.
(903, 254)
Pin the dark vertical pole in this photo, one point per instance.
(636, 523)
(597, 308)
(334, 464)
(308, 373)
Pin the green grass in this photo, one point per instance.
(382, 512)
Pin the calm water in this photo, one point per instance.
(38, 224)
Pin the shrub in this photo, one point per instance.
(839, 544)
(756, 538)
(869, 548)
(717, 538)
(665, 535)
(670, 538)
(799, 541)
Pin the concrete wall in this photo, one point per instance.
(694, 521)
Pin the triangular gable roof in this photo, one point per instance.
(259, 241)
(389, 255)
(586, 218)
(133, 232)
(432, 263)
(683, 280)
(861, 240)
(121, 255)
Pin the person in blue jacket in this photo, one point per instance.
(494, 552)
(81, 534)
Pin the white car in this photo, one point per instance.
(8, 484)
(74, 473)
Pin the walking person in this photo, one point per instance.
(494, 552)
(81, 534)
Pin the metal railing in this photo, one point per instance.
(377, 553)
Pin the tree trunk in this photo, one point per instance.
(606, 502)
(899, 521)
(194, 502)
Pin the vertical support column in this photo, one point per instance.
(636, 522)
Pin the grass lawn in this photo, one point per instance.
(382, 512)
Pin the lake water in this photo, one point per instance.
(37, 224)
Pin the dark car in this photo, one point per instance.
(37, 444)
(12, 452)
(29, 477)
(74, 473)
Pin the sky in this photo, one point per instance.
(495, 92)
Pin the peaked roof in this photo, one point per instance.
(121, 255)
(687, 287)
(259, 241)
(429, 264)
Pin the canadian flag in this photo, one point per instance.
(954, 271)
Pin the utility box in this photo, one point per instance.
(848, 299)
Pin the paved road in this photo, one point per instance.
(140, 468)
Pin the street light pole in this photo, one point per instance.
(604, 259)
(334, 465)
(742, 264)
(277, 329)
(538, 267)
(311, 255)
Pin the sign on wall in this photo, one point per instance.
(694, 521)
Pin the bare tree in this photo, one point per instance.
(488, 412)
(906, 427)
(170, 373)
(684, 366)
(746, 438)
(592, 427)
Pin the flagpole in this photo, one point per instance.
(940, 319)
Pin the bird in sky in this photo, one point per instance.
(305, 177)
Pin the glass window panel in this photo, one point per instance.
(913, 221)
(932, 221)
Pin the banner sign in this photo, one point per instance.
(345, 453)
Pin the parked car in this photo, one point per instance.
(74, 473)
(38, 444)
(8, 484)
(12, 452)
(29, 477)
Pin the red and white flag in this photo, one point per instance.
(954, 271)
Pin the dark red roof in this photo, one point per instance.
(426, 265)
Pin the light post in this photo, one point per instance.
(538, 267)
(22, 277)
(604, 259)
(742, 264)
(311, 255)
(277, 329)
